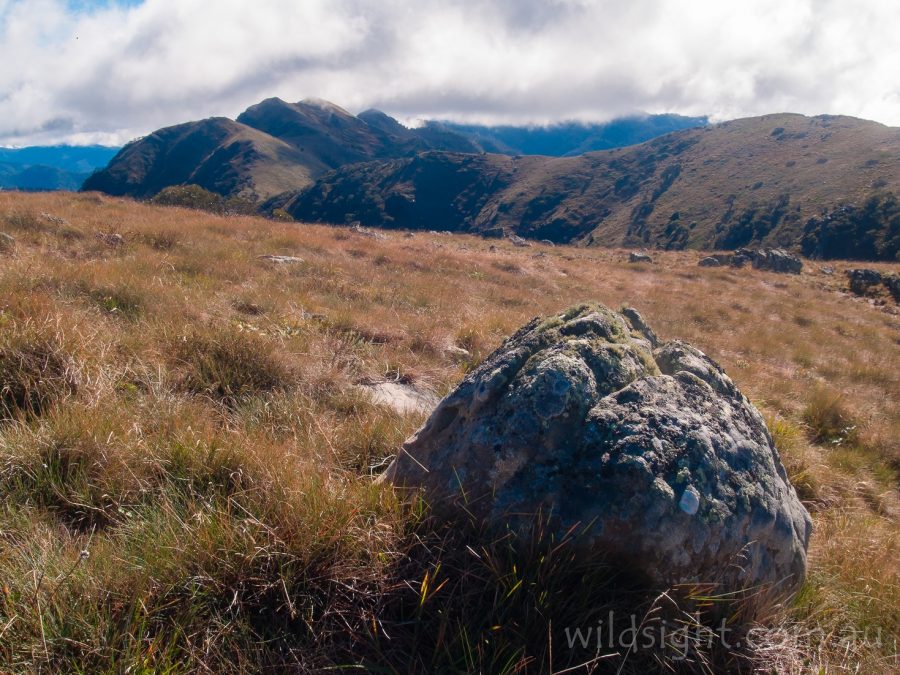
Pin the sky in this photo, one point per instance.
(106, 71)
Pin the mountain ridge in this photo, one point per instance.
(773, 180)
(319, 137)
(750, 181)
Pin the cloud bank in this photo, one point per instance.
(105, 72)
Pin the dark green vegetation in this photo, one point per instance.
(61, 167)
(195, 197)
(867, 232)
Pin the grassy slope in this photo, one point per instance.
(192, 491)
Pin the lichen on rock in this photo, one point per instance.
(651, 451)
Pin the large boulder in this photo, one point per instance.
(709, 261)
(741, 257)
(892, 283)
(652, 452)
(863, 280)
(777, 260)
(639, 258)
(518, 241)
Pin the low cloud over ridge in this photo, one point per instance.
(106, 72)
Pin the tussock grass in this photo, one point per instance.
(36, 371)
(828, 418)
(227, 365)
(798, 457)
(186, 459)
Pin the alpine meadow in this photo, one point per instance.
(449, 337)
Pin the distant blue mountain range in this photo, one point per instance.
(568, 139)
(58, 167)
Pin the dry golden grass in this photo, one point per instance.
(185, 460)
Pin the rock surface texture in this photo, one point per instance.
(769, 259)
(777, 260)
(861, 280)
(280, 259)
(892, 282)
(650, 450)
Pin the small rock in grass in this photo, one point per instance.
(281, 259)
(639, 258)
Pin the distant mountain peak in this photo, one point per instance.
(327, 106)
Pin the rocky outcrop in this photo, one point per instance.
(639, 258)
(769, 259)
(777, 260)
(652, 453)
(740, 257)
(518, 241)
(892, 283)
(863, 280)
(402, 398)
(111, 239)
(280, 259)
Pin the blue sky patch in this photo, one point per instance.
(95, 5)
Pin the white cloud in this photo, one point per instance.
(116, 72)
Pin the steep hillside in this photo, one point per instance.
(274, 146)
(432, 190)
(218, 154)
(755, 180)
(330, 137)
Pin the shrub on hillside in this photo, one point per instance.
(35, 370)
(867, 232)
(754, 223)
(240, 206)
(190, 197)
(281, 214)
